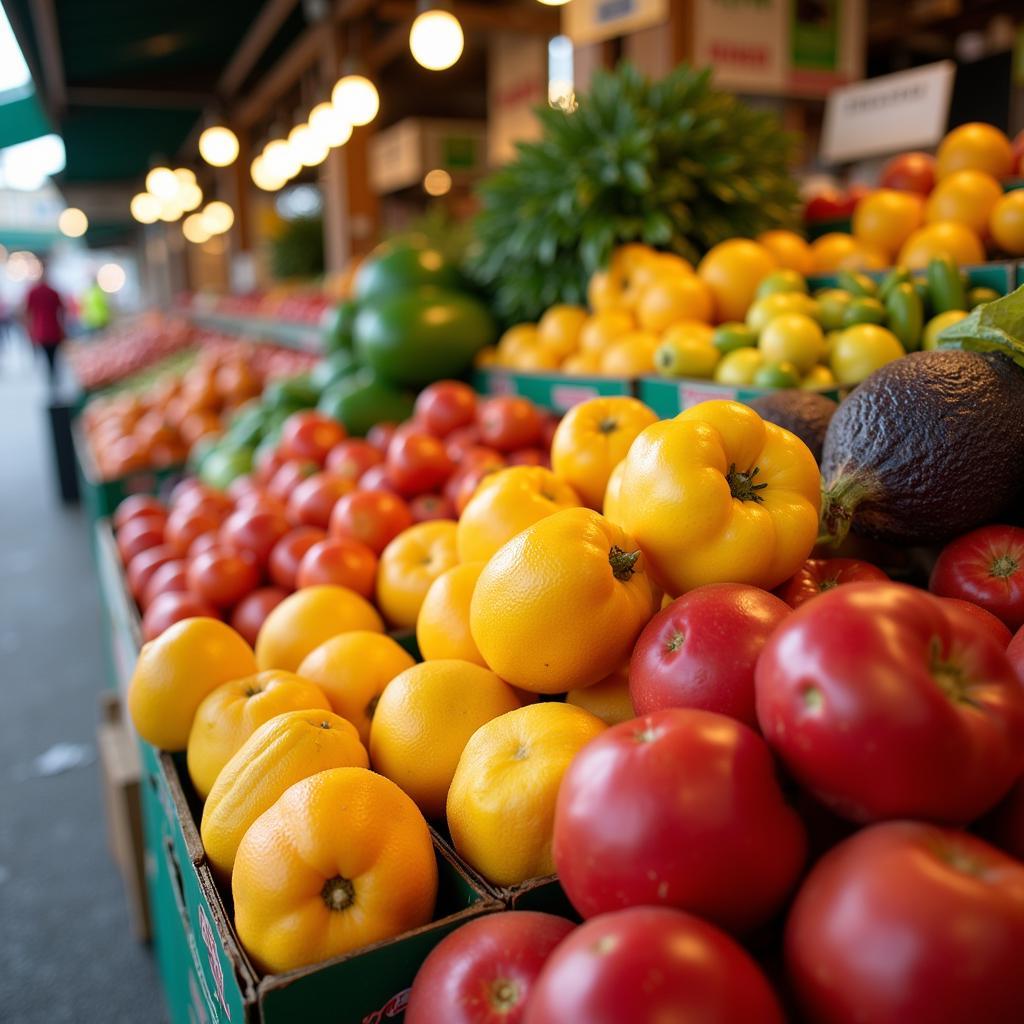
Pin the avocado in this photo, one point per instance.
(804, 413)
(928, 447)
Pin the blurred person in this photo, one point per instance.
(44, 321)
(94, 309)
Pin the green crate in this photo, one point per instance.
(555, 391)
(122, 626)
(669, 397)
(999, 275)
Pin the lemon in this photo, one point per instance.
(862, 349)
(763, 311)
(795, 338)
(938, 324)
(739, 368)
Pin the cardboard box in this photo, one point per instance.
(121, 772)
(555, 391)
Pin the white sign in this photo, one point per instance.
(517, 76)
(593, 21)
(889, 114)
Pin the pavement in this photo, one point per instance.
(67, 953)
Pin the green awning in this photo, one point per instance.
(17, 238)
(21, 117)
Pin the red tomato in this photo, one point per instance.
(417, 463)
(260, 499)
(462, 484)
(817, 575)
(459, 441)
(205, 499)
(184, 524)
(184, 487)
(910, 172)
(249, 613)
(136, 506)
(1015, 653)
(313, 499)
(1005, 825)
(268, 462)
(530, 457)
(548, 428)
(481, 455)
(431, 506)
(985, 567)
(826, 204)
(883, 667)
(285, 555)
(980, 619)
(445, 406)
(245, 484)
(254, 529)
(137, 535)
(171, 607)
(222, 576)
(376, 479)
(309, 435)
(340, 561)
(289, 476)
(202, 543)
(726, 846)
(509, 422)
(352, 458)
(909, 922)
(651, 965)
(700, 651)
(170, 577)
(484, 972)
(373, 518)
(144, 564)
(380, 434)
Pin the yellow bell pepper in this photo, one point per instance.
(719, 495)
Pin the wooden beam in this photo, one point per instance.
(44, 19)
(90, 96)
(535, 19)
(395, 42)
(260, 33)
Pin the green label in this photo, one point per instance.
(814, 35)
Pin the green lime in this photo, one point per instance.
(863, 309)
(777, 375)
(833, 303)
(733, 335)
(781, 281)
(738, 368)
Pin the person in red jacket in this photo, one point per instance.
(44, 320)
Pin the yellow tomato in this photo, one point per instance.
(631, 356)
(504, 504)
(515, 341)
(719, 495)
(582, 364)
(608, 698)
(885, 218)
(862, 349)
(409, 564)
(790, 250)
(604, 328)
(592, 439)
(829, 251)
(937, 324)
(668, 300)
(975, 147)
(738, 368)
(537, 359)
(792, 337)
(1006, 223)
(967, 197)
(818, 377)
(559, 329)
(733, 270)
(942, 237)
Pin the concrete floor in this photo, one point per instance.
(67, 955)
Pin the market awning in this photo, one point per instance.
(21, 117)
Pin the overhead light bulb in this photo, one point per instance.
(190, 196)
(554, 3)
(194, 228)
(437, 182)
(436, 39)
(111, 277)
(217, 217)
(145, 208)
(329, 125)
(262, 177)
(185, 176)
(356, 97)
(163, 183)
(73, 222)
(303, 142)
(280, 161)
(218, 146)
(170, 210)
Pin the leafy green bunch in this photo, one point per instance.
(675, 163)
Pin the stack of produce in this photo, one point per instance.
(321, 508)
(951, 204)
(126, 349)
(283, 304)
(153, 419)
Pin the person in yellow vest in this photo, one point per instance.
(94, 312)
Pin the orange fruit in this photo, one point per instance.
(884, 219)
(604, 292)
(560, 602)
(506, 503)
(559, 328)
(612, 506)
(733, 270)
(306, 619)
(342, 860)
(352, 669)
(946, 236)
(176, 671)
(631, 356)
(605, 328)
(409, 564)
(501, 804)
(538, 359)
(667, 300)
(967, 197)
(581, 364)
(515, 341)
(608, 698)
(489, 356)
(974, 147)
(1006, 223)
(442, 629)
(592, 439)
(790, 250)
(838, 251)
(231, 714)
(425, 717)
(286, 749)
(670, 264)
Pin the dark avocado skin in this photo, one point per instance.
(803, 413)
(940, 436)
